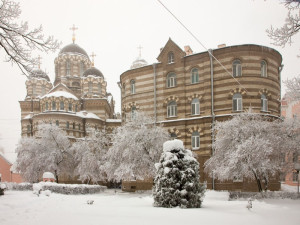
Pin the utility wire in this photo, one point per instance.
(202, 44)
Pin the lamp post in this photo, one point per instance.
(297, 168)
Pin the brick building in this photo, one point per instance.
(188, 92)
(6, 174)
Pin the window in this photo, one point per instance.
(61, 105)
(28, 128)
(43, 91)
(46, 106)
(237, 104)
(132, 87)
(133, 113)
(73, 126)
(263, 68)
(68, 125)
(264, 103)
(53, 105)
(76, 107)
(195, 106)
(195, 140)
(57, 123)
(171, 57)
(295, 177)
(81, 68)
(68, 67)
(195, 76)
(173, 136)
(33, 90)
(70, 107)
(78, 126)
(171, 80)
(237, 68)
(99, 88)
(90, 87)
(172, 109)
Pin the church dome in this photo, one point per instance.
(139, 62)
(92, 71)
(38, 73)
(73, 48)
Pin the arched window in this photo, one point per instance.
(172, 109)
(99, 88)
(173, 136)
(78, 126)
(90, 84)
(68, 67)
(62, 105)
(264, 103)
(46, 106)
(28, 128)
(237, 68)
(171, 57)
(132, 87)
(194, 76)
(68, 125)
(171, 80)
(263, 68)
(53, 105)
(43, 90)
(124, 89)
(133, 113)
(70, 107)
(195, 140)
(81, 68)
(33, 89)
(237, 104)
(73, 126)
(195, 106)
(57, 123)
(76, 108)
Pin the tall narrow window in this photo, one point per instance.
(99, 88)
(170, 57)
(53, 105)
(90, 84)
(76, 108)
(237, 68)
(46, 106)
(264, 103)
(133, 113)
(43, 90)
(172, 109)
(195, 76)
(173, 136)
(28, 128)
(57, 123)
(70, 107)
(73, 126)
(263, 68)
(195, 106)
(81, 68)
(68, 67)
(171, 80)
(237, 104)
(124, 89)
(68, 125)
(33, 89)
(132, 86)
(78, 126)
(195, 140)
(62, 105)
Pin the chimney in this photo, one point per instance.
(222, 46)
(188, 50)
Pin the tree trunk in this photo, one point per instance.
(56, 176)
(258, 182)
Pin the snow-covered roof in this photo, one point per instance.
(29, 116)
(85, 114)
(60, 94)
(114, 120)
(48, 175)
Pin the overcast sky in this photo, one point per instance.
(113, 29)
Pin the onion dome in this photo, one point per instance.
(93, 72)
(73, 48)
(39, 74)
(139, 62)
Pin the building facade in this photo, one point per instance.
(76, 101)
(188, 92)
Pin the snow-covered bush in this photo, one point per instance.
(177, 179)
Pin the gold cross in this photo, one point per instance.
(39, 61)
(93, 58)
(140, 51)
(73, 29)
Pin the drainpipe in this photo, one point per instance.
(280, 69)
(210, 52)
(154, 84)
(120, 86)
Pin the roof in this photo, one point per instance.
(93, 71)
(60, 94)
(85, 114)
(38, 73)
(73, 48)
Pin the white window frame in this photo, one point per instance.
(195, 140)
(68, 67)
(171, 58)
(237, 68)
(263, 68)
(172, 109)
(264, 103)
(237, 102)
(195, 107)
(195, 76)
(171, 80)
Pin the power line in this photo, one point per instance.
(201, 44)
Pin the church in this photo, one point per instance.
(76, 101)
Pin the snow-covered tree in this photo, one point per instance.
(247, 146)
(49, 151)
(283, 35)
(136, 147)
(90, 156)
(177, 179)
(18, 41)
(293, 88)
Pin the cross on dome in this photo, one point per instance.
(140, 51)
(39, 61)
(73, 29)
(93, 58)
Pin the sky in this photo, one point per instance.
(113, 30)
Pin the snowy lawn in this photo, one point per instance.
(23, 207)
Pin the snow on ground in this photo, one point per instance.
(23, 207)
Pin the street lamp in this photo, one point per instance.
(297, 168)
